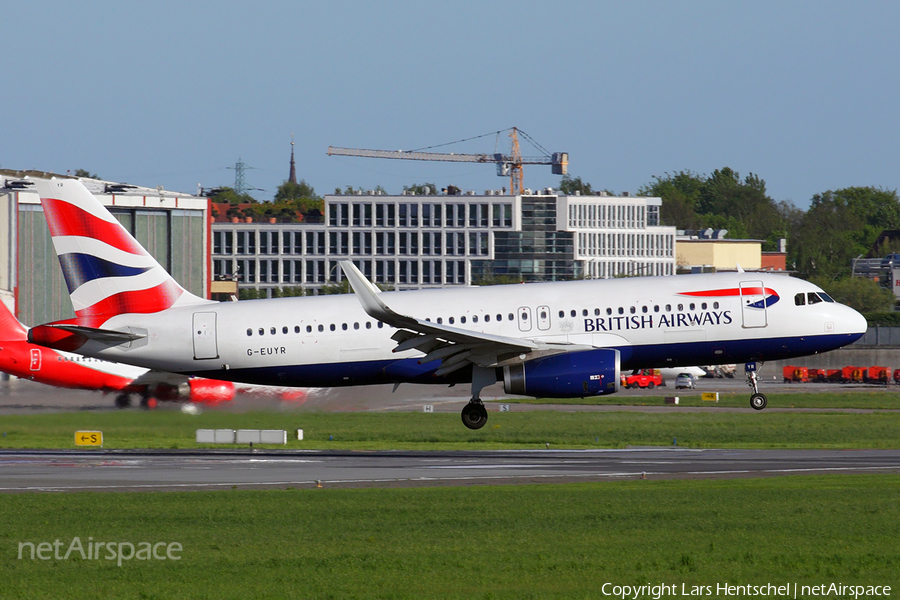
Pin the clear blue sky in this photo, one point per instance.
(806, 94)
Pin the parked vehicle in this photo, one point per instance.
(645, 378)
(684, 381)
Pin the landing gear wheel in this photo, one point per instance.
(474, 415)
(758, 401)
(123, 401)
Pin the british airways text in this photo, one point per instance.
(649, 322)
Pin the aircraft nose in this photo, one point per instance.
(854, 321)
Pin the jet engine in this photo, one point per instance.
(569, 375)
(197, 390)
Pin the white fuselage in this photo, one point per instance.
(330, 340)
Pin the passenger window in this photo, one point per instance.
(668, 308)
(309, 329)
(703, 306)
(344, 326)
(693, 306)
(356, 326)
(249, 332)
(584, 313)
(800, 299)
(474, 318)
(596, 312)
(296, 329)
(499, 317)
(332, 327)
(715, 305)
(680, 307)
(524, 316)
(368, 325)
(632, 310)
(562, 314)
(656, 308)
(440, 321)
(573, 313)
(321, 328)
(450, 320)
(272, 330)
(462, 319)
(262, 331)
(621, 311)
(609, 311)
(511, 316)
(644, 309)
(284, 330)
(487, 318)
(380, 324)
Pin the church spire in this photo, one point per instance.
(292, 178)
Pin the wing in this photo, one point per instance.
(456, 348)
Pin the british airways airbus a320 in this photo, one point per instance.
(567, 339)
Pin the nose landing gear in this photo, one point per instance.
(757, 401)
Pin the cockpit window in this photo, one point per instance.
(800, 299)
(826, 297)
(813, 298)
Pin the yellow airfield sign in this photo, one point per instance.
(88, 438)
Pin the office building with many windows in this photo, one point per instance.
(416, 241)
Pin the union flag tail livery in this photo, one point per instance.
(107, 271)
(564, 339)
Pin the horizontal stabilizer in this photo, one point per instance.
(70, 337)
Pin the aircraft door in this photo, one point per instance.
(543, 318)
(753, 304)
(524, 318)
(35, 359)
(205, 336)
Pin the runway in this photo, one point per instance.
(69, 471)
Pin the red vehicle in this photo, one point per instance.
(878, 375)
(645, 378)
(798, 374)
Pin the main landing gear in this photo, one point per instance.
(474, 414)
(757, 401)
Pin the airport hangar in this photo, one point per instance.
(173, 227)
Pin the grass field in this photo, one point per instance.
(549, 541)
(873, 400)
(533, 429)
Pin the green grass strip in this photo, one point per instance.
(437, 431)
(871, 400)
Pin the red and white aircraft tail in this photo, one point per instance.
(106, 270)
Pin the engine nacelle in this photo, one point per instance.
(210, 391)
(570, 375)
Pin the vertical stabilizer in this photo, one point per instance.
(106, 270)
(11, 329)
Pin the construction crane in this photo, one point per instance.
(507, 165)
